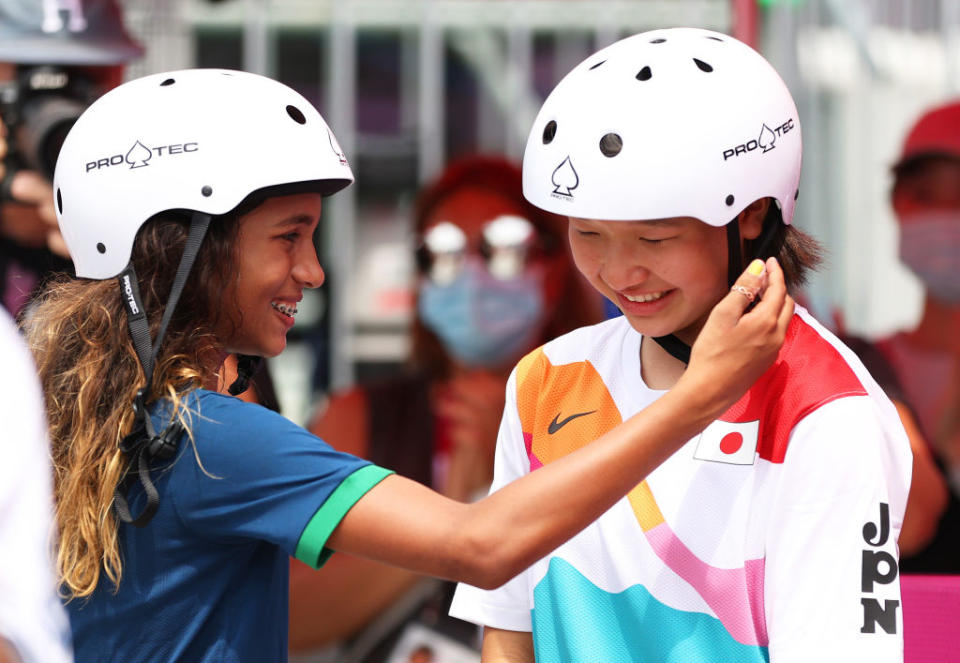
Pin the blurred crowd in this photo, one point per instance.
(494, 280)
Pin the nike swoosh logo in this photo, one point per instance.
(556, 425)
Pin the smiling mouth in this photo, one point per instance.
(647, 297)
(288, 310)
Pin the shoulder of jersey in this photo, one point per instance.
(810, 372)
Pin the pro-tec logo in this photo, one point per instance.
(729, 442)
(767, 140)
(564, 180)
(128, 292)
(139, 155)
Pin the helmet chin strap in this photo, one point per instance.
(735, 265)
(673, 345)
(247, 366)
(143, 444)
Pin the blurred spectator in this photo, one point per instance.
(495, 281)
(33, 625)
(53, 62)
(926, 359)
(929, 494)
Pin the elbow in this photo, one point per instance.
(489, 562)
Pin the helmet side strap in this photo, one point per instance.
(143, 443)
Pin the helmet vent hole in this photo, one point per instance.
(167, 82)
(101, 248)
(549, 131)
(207, 191)
(610, 145)
(729, 200)
(703, 66)
(659, 40)
(59, 201)
(296, 115)
(597, 65)
(644, 74)
(714, 38)
(796, 194)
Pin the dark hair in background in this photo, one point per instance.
(578, 304)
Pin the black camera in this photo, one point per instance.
(38, 107)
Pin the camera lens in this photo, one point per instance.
(46, 122)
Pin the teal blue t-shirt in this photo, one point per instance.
(207, 579)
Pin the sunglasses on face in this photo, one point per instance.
(508, 244)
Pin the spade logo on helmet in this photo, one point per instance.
(140, 155)
(766, 141)
(335, 146)
(564, 180)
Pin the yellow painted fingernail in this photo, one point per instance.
(756, 267)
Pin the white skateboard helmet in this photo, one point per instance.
(667, 123)
(199, 140)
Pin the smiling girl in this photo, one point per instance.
(771, 536)
(190, 201)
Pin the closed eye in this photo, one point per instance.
(654, 241)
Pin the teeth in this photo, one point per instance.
(286, 309)
(649, 297)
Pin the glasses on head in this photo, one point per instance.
(508, 244)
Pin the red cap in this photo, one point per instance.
(936, 133)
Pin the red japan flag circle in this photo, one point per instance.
(729, 442)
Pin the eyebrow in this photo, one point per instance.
(298, 220)
(645, 223)
(661, 223)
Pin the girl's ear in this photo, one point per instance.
(751, 218)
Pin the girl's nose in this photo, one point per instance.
(622, 269)
(308, 270)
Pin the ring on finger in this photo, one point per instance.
(745, 291)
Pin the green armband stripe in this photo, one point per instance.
(310, 548)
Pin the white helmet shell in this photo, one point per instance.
(679, 122)
(201, 140)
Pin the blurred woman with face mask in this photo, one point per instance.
(926, 359)
(494, 281)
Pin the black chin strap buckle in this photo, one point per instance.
(142, 446)
(247, 365)
(164, 445)
(134, 439)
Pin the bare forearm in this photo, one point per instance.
(406, 524)
(424, 532)
(501, 646)
(618, 461)
(7, 652)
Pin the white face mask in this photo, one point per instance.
(930, 246)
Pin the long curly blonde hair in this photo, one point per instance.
(77, 330)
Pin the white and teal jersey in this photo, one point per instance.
(769, 537)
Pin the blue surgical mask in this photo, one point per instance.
(481, 320)
(930, 246)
